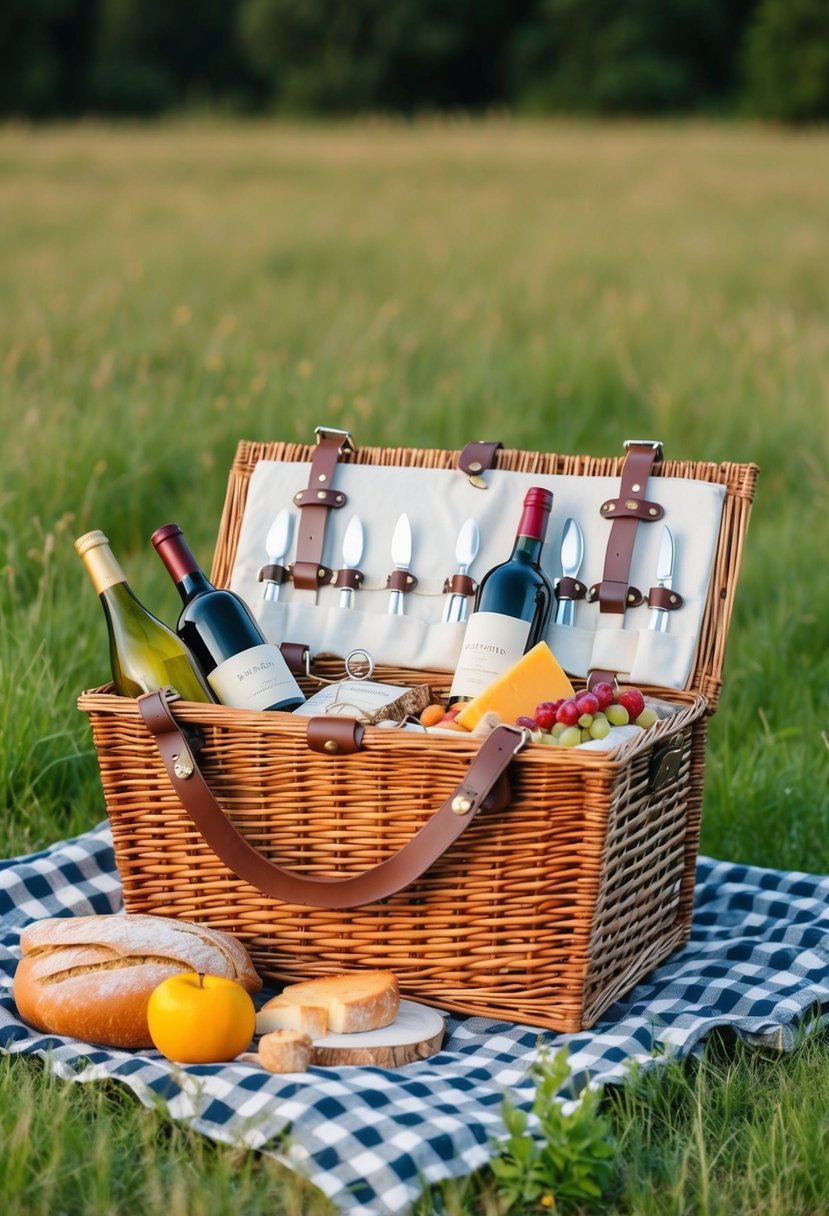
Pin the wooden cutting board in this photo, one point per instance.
(415, 1034)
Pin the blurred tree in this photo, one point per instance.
(400, 55)
(787, 60)
(46, 49)
(154, 56)
(639, 57)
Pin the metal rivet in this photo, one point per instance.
(461, 805)
(331, 745)
(321, 477)
(673, 599)
(183, 766)
(339, 498)
(652, 511)
(636, 488)
(321, 494)
(631, 504)
(475, 466)
(609, 506)
(321, 572)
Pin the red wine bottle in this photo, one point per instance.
(241, 667)
(512, 605)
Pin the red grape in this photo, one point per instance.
(568, 712)
(604, 693)
(632, 700)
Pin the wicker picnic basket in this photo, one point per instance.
(543, 908)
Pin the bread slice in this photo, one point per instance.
(279, 1014)
(286, 1051)
(355, 1001)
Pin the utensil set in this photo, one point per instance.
(467, 544)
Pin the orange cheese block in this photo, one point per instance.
(536, 677)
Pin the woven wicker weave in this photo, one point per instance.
(544, 913)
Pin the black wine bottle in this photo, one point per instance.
(512, 605)
(144, 654)
(242, 668)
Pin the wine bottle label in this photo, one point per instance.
(257, 678)
(492, 642)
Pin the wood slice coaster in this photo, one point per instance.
(415, 1034)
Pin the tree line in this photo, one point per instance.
(73, 58)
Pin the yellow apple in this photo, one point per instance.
(200, 1019)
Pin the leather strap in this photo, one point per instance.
(460, 584)
(476, 457)
(667, 600)
(401, 580)
(484, 787)
(570, 589)
(297, 656)
(274, 574)
(626, 511)
(315, 502)
(349, 577)
(335, 736)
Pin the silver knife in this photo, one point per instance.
(277, 544)
(401, 555)
(572, 555)
(664, 578)
(352, 553)
(466, 550)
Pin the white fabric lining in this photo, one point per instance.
(437, 502)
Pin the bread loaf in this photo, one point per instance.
(355, 1001)
(90, 977)
(286, 1051)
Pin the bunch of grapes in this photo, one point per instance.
(588, 715)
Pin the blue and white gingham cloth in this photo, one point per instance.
(757, 962)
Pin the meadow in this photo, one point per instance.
(167, 291)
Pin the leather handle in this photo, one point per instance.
(484, 787)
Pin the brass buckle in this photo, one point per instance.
(656, 444)
(329, 432)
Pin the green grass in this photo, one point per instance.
(168, 291)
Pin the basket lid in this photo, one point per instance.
(738, 482)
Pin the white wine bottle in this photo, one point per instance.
(243, 669)
(144, 654)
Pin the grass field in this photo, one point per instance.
(167, 291)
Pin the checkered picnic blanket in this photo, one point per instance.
(757, 962)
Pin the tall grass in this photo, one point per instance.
(167, 291)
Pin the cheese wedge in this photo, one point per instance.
(279, 1014)
(354, 1001)
(536, 677)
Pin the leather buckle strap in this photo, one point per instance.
(484, 787)
(476, 457)
(626, 512)
(315, 502)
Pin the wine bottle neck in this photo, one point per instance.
(102, 567)
(181, 565)
(193, 583)
(527, 549)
